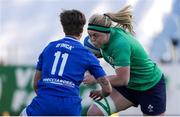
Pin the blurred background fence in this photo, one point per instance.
(16, 90)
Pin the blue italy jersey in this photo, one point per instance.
(63, 64)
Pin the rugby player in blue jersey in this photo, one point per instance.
(60, 70)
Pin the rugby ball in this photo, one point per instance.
(89, 45)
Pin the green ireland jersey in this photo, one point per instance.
(124, 50)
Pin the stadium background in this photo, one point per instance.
(27, 26)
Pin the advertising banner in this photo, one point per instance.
(16, 89)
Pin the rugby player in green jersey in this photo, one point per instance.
(138, 80)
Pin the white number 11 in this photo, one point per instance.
(63, 63)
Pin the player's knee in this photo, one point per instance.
(94, 111)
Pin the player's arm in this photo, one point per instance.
(105, 85)
(38, 72)
(89, 79)
(121, 78)
(121, 54)
(105, 91)
(36, 78)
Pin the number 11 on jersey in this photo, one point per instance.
(63, 63)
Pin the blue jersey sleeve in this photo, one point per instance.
(40, 59)
(94, 67)
(39, 63)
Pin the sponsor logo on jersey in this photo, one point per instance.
(59, 82)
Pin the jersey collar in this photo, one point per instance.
(71, 38)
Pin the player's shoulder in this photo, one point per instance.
(56, 41)
(50, 45)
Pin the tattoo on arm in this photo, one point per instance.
(103, 81)
(106, 86)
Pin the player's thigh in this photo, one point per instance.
(120, 101)
(94, 110)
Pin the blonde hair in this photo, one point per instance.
(123, 18)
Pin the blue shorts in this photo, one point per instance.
(152, 101)
(45, 105)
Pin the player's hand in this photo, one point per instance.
(98, 55)
(89, 79)
(96, 95)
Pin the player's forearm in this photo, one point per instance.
(117, 81)
(106, 86)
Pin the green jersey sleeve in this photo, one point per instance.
(121, 53)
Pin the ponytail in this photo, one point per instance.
(123, 18)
